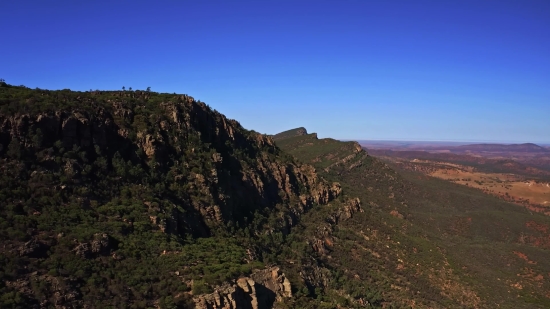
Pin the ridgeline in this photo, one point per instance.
(138, 199)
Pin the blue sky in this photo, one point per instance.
(390, 70)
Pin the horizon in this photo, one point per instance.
(453, 141)
(467, 71)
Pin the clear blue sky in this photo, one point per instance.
(393, 70)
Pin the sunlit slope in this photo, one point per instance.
(441, 244)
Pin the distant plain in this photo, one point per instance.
(518, 173)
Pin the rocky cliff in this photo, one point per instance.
(233, 172)
(112, 193)
(259, 291)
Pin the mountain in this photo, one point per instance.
(527, 147)
(137, 199)
(431, 242)
(290, 133)
(134, 198)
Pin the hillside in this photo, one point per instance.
(455, 245)
(137, 199)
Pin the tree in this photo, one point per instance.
(130, 88)
(38, 138)
(14, 149)
(148, 89)
(123, 88)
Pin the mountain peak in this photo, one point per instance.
(291, 133)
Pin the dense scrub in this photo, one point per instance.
(421, 241)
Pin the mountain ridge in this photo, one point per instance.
(98, 182)
(414, 211)
(137, 199)
(524, 147)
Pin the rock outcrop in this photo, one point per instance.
(139, 165)
(259, 291)
(242, 175)
(100, 244)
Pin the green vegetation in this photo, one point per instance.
(137, 199)
(124, 199)
(429, 241)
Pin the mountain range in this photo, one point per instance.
(138, 199)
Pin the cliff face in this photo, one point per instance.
(232, 172)
(259, 291)
(106, 192)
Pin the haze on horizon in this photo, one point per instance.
(366, 70)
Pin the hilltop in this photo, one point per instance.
(290, 133)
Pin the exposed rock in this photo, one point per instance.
(147, 142)
(323, 240)
(32, 248)
(100, 244)
(82, 250)
(347, 211)
(61, 292)
(314, 275)
(72, 128)
(259, 291)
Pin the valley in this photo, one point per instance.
(515, 173)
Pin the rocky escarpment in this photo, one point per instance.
(291, 133)
(354, 159)
(323, 238)
(259, 291)
(328, 155)
(232, 172)
(130, 198)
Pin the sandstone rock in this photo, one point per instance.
(100, 244)
(72, 128)
(31, 248)
(147, 143)
(259, 291)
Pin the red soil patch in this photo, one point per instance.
(522, 256)
(537, 226)
(542, 241)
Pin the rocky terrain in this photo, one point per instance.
(137, 199)
(458, 247)
(90, 179)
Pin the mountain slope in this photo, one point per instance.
(137, 199)
(430, 242)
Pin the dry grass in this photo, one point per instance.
(509, 186)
